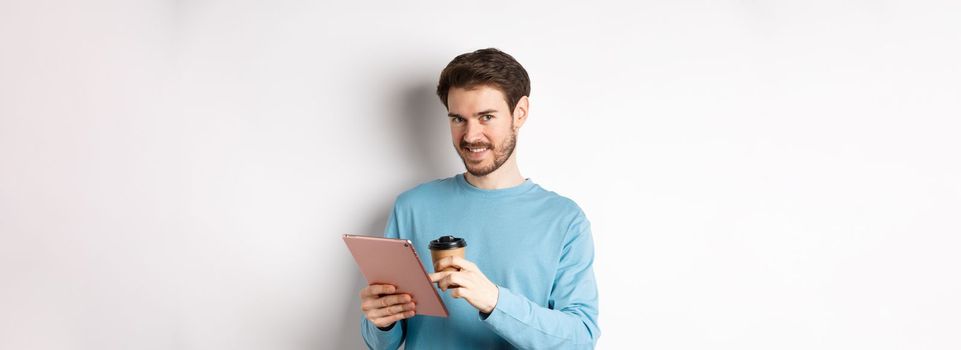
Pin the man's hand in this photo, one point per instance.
(468, 283)
(382, 307)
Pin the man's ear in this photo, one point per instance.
(520, 112)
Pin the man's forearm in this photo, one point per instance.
(528, 325)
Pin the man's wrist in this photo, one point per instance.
(489, 310)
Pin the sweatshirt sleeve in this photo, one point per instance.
(378, 339)
(374, 337)
(570, 320)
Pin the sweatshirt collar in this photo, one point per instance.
(525, 186)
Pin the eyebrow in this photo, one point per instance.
(488, 111)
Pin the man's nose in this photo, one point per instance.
(474, 132)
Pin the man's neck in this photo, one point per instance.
(504, 177)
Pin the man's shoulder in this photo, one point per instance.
(562, 203)
(426, 191)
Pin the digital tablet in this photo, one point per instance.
(394, 261)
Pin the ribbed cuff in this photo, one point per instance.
(509, 307)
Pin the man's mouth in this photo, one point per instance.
(476, 153)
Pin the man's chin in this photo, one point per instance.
(481, 168)
(479, 171)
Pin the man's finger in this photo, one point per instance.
(453, 280)
(456, 262)
(394, 318)
(459, 292)
(442, 284)
(443, 281)
(392, 310)
(387, 301)
(378, 289)
(437, 276)
(447, 261)
(396, 299)
(464, 264)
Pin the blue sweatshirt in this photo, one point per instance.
(534, 244)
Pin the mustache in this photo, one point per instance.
(465, 144)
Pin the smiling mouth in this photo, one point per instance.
(475, 154)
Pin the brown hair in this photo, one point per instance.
(490, 67)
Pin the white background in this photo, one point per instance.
(759, 174)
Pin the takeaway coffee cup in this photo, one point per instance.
(447, 246)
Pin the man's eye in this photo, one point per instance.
(456, 119)
(487, 117)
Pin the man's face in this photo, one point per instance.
(481, 127)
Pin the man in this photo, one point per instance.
(527, 280)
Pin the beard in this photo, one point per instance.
(501, 153)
